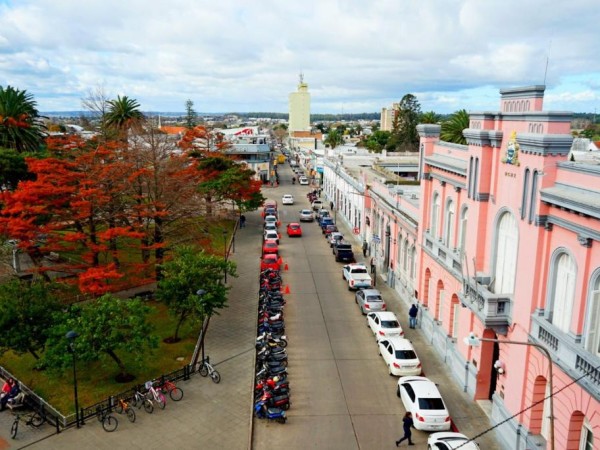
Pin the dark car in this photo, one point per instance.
(324, 222)
(329, 229)
(343, 252)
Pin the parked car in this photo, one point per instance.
(287, 199)
(370, 300)
(270, 261)
(270, 205)
(270, 226)
(324, 222)
(422, 398)
(304, 181)
(449, 441)
(321, 213)
(271, 234)
(317, 205)
(270, 246)
(334, 237)
(384, 324)
(306, 215)
(400, 357)
(343, 252)
(329, 229)
(272, 219)
(357, 276)
(294, 229)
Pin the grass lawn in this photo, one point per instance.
(96, 381)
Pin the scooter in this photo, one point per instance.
(263, 412)
(279, 401)
(269, 383)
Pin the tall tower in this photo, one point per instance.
(300, 108)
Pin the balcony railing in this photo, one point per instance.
(493, 310)
(568, 353)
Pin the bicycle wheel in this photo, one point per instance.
(14, 428)
(176, 394)
(110, 423)
(215, 376)
(148, 406)
(99, 414)
(130, 414)
(161, 400)
(119, 408)
(203, 370)
(37, 419)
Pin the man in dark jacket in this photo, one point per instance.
(412, 315)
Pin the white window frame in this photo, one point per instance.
(586, 441)
(507, 246)
(435, 214)
(592, 334)
(464, 215)
(449, 225)
(565, 276)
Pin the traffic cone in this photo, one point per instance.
(287, 289)
(285, 267)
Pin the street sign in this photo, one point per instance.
(356, 230)
(376, 239)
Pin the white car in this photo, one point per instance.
(384, 324)
(450, 441)
(287, 199)
(271, 219)
(306, 215)
(271, 234)
(270, 227)
(422, 398)
(334, 237)
(303, 180)
(317, 205)
(400, 357)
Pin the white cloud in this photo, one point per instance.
(233, 55)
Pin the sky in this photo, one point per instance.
(356, 55)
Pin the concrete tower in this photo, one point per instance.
(300, 108)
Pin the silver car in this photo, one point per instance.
(335, 237)
(370, 300)
(306, 215)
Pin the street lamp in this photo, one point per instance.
(71, 336)
(225, 233)
(200, 342)
(473, 341)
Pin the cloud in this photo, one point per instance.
(358, 56)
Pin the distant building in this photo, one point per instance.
(299, 104)
(387, 117)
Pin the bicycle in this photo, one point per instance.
(174, 392)
(123, 407)
(155, 395)
(109, 422)
(140, 400)
(206, 368)
(34, 419)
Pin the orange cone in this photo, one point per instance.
(287, 289)
(285, 267)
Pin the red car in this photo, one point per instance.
(270, 246)
(294, 229)
(270, 261)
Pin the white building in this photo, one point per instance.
(299, 104)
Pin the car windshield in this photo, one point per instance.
(390, 324)
(405, 354)
(374, 298)
(305, 211)
(359, 270)
(294, 227)
(271, 245)
(431, 403)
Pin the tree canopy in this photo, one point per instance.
(404, 133)
(21, 127)
(452, 129)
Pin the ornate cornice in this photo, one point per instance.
(480, 138)
(428, 130)
(545, 144)
(582, 232)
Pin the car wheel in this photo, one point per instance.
(398, 391)
(390, 371)
(349, 288)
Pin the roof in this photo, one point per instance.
(399, 342)
(448, 163)
(173, 130)
(576, 199)
(385, 315)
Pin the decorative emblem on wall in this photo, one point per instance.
(512, 151)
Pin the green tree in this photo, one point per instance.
(124, 114)
(405, 124)
(377, 141)
(334, 138)
(430, 117)
(26, 315)
(452, 129)
(13, 169)
(189, 271)
(105, 327)
(191, 118)
(21, 127)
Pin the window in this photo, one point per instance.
(592, 336)
(463, 229)
(435, 214)
(476, 180)
(412, 262)
(533, 195)
(405, 256)
(565, 273)
(455, 315)
(470, 185)
(506, 254)
(524, 195)
(449, 225)
(587, 437)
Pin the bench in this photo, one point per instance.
(17, 402)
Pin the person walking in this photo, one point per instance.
(407, 425)
(365, 247)
(242, 221)
(412, 315)
(372, 265)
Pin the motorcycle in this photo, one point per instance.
(262, 411)
(279, 401)
(270, 383)
(271, 370)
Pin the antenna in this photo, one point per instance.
(547, 61)
(301, 78)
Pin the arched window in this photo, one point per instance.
(533, 196)
(565, 273)
(399, 250)
(586, 442)
(524, 195)
(592, 327)
(507, 242)
(462, 236)
(476, 180)
(413, 262)
(405, 256)
(449, 224)
(470, 186)
(435, 214)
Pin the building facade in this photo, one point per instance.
(509, 248)
(299, 104)
(387, 117)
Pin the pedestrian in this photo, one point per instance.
(412, 315)
(12, 393)
(365, 247)
(242, 221)
(372, 265)
(331, 205)
(407, 425)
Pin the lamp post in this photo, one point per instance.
(200, 342)
(473, 341)
(71, 336)
(225, 233)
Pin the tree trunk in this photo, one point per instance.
(182, 318)
(209, 210)
(116, 359)
(34, 354)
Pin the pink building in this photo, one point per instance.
(509, 248)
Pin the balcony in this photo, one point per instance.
(446, 256)
(493, 310)
(568, 353)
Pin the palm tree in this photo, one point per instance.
(124, 114)
(452, 129)
(21, 127)
(430, 117)
(334, 138)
